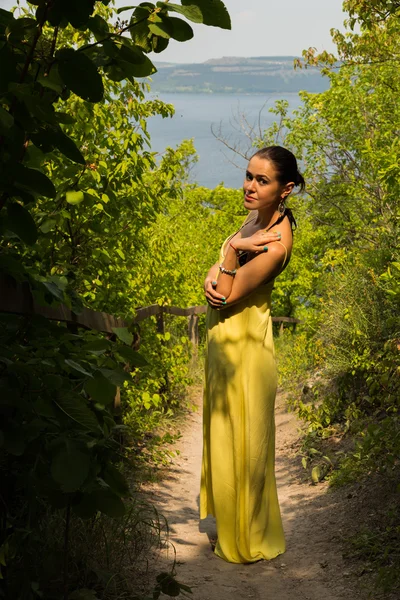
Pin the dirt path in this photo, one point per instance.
(312, 567)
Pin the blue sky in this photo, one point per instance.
(259, 28)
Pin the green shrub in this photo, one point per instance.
(378, 548)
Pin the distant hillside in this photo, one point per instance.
(238, 75)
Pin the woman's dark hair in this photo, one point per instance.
(285, 164)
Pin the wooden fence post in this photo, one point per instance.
(160, 323)
(161, 330)
(193, 330)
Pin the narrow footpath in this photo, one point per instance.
(314, 518)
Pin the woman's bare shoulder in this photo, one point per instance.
(285, 229)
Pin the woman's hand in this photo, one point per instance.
(257, 242)
(214, 299)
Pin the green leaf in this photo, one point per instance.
(67, 147)
(139, 29)
(128, 61)
(52, 12)
(143, 69)
(6, 120)
(316, 474)
(63, 117)
(97, 346)
(48, 225)
(214, 12)
(19, 221)
(6, 18)
(164, 576)
(77, 367)
(33, 180)
(43, 140)
(109, 503)
(54, 290)
(48, 138)
(169, 585)
(123, 334)
(75, 407)
(51, 80)
(34, 158)
(116, 376)
(57, 12)
(99, 27)
(181, 31)
(314, 451)
(209, 12)
(191, 12)
(131, 356)
(159, 44)
(116, 481)
(70, 468)
(160, 26)
(80, 75)
(40, 108)
(22, 29)
(123, 70)
(124, 8)
(128, 52)
(78, 12)
(74, 197)
(100, 389)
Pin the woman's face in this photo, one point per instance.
(261, 187)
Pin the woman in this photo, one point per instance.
(238, 480)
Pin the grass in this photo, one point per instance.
(107, 556)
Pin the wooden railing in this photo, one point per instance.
(17, 298)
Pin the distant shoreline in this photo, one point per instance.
(236, 75)
(155, 91)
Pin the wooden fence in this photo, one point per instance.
(17, 298)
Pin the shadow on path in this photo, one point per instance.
(314, 521)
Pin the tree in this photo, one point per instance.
(78, 183)
(347, 139)
(44, 63)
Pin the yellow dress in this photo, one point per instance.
(238, 469)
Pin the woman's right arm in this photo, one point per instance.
(209, 286)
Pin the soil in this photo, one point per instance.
(316, 522)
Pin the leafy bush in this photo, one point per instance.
(157, 392)
(298, 356)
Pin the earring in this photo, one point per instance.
(281, 207)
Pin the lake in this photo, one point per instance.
(231, 115)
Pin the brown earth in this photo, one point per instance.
(316, 521)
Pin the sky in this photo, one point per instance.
(259, 28)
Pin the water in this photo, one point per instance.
(196, 114)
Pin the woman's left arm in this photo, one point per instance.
(262, 268)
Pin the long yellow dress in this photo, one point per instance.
(238, 484)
